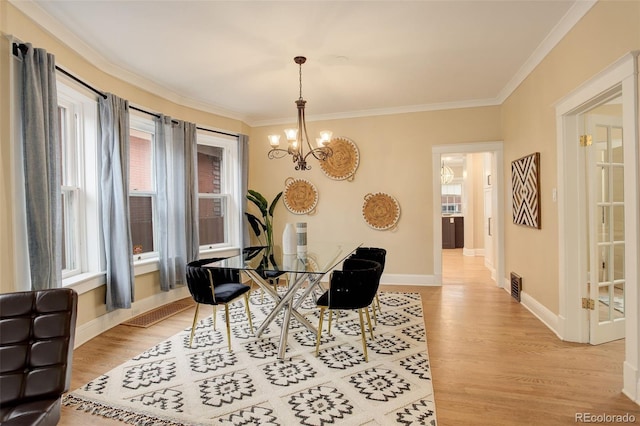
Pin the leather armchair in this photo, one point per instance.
(37, 330)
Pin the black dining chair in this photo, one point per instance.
(378, 255)
(216, 286)
(272, 277)
(352, 288)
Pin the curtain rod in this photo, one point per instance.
(21, 47)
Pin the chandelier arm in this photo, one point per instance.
(277, 153)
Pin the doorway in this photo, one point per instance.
(620, 79)
(496, 201)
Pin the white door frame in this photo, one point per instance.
(572, 325)
(498, 202)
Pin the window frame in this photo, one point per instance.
(84, 174)
(144, 124)
(230, 184)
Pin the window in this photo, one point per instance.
(451, 198)
(81, 235)
(217, 183)
(142, 188)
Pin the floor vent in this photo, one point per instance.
(516, 286)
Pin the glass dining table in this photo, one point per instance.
(259, 263)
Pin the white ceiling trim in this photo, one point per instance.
(571, 18)
(54, 27)
(384, 111)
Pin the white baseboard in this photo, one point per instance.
(547, 317)
(93, 328)
(472, 252)
(631, 386)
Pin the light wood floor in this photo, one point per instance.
(493, 363)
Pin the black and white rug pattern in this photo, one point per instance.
(172, 384)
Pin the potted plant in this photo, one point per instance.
(266, 224)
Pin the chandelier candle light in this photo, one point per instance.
(297, 138)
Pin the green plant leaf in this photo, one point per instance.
(274, 202)
(256, 198)
(255, 223)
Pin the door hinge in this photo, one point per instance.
(585, 140)
(588, 304)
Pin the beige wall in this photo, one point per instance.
(395, 158)
(608, 31)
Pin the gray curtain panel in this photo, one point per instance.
(170, 181)
(185, 137)
(114, 186)
(243, 159)
(41, 150)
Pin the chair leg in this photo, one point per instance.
(227, 320)
(331, 316)
(364, 336)
(246, 307)
(193, 326)
(319, 336)
(366, 310)
(373, 309)
(214, 317)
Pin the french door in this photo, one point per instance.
(604, 171)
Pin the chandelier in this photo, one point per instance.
(446, 174)
(297, 138)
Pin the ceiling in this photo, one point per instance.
(235, 58)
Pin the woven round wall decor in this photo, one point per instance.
(300, 196)
(381, 211)
(343, 161)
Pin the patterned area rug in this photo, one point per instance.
(172, 384)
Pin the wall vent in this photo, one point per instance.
(516, 286)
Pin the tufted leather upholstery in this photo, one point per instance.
(37, 330)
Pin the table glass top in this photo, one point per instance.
(319, 259)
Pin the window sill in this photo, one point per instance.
(145, 266)
(83, 283)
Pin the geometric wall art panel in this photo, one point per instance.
(525, 184)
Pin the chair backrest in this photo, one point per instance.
(371, 253)
(199, 283)
(355, 285)
(37, 332)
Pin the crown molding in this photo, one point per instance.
(381, 111)
(568, 21)
(59, 31)
(62, 33)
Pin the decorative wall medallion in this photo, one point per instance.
(380, 211)
(343, 161)
(300, 196)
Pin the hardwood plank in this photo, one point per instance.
(493, 362)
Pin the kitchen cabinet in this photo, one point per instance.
(452, 232)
